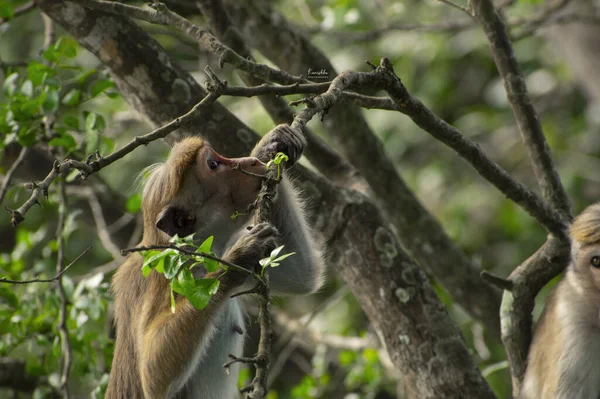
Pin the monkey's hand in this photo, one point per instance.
(250, 248)
(282, 138)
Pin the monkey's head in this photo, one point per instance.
(196, 191)
(585, 246)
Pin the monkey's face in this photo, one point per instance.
(587, 263)
(212, 190)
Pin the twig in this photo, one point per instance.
(454, 5)
(11, 172)
(101, 227)
(55, 278)
(496, 281)
(86, 169)
(63, 314)
(385, 78)
(527, 119)
(194, 254)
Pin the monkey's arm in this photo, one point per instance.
(302, 272)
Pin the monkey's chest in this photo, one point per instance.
(210, 379)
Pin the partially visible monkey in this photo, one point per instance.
(564, 358)
(160, 354)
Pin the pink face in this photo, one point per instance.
(212, 190)
(235, 179)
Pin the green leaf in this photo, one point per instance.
(72, 122)
(203, 291)
(64, 140)
(264, 262)
(184, 283)
(90, 121)
(72, 97)
(206, 245)
(276, 252)
(112, 96)
(101, 86)
(38, 73)
(172, 264)
(155, 260)
(27, 88)
(51, 101)
(211, 265)
(134, 203)
(282, 257)
(6, 11)
(146, 269)
(64, 47)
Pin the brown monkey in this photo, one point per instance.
(160, 354)
(564, 358)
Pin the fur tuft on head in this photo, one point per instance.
(586, 227)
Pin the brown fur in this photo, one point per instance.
(564, 358)
(153, 344)
(160, 354)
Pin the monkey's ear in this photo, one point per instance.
(174, 220)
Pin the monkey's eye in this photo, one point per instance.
(595, 261)
(212, 164)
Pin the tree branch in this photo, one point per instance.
(527, 119)
(55, 278)
(11, 172)
(86, 169)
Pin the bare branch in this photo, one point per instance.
(527, 119)
(86, 169)
(11, 172)
(101, 227)
(55, 278)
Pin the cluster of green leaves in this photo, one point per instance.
(55, 87)
(177, 267)
(28, 313)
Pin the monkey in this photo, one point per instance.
(564, 358)
(162, 355)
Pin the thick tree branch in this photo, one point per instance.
(420, 233)
(517, 305)
(322, 156)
